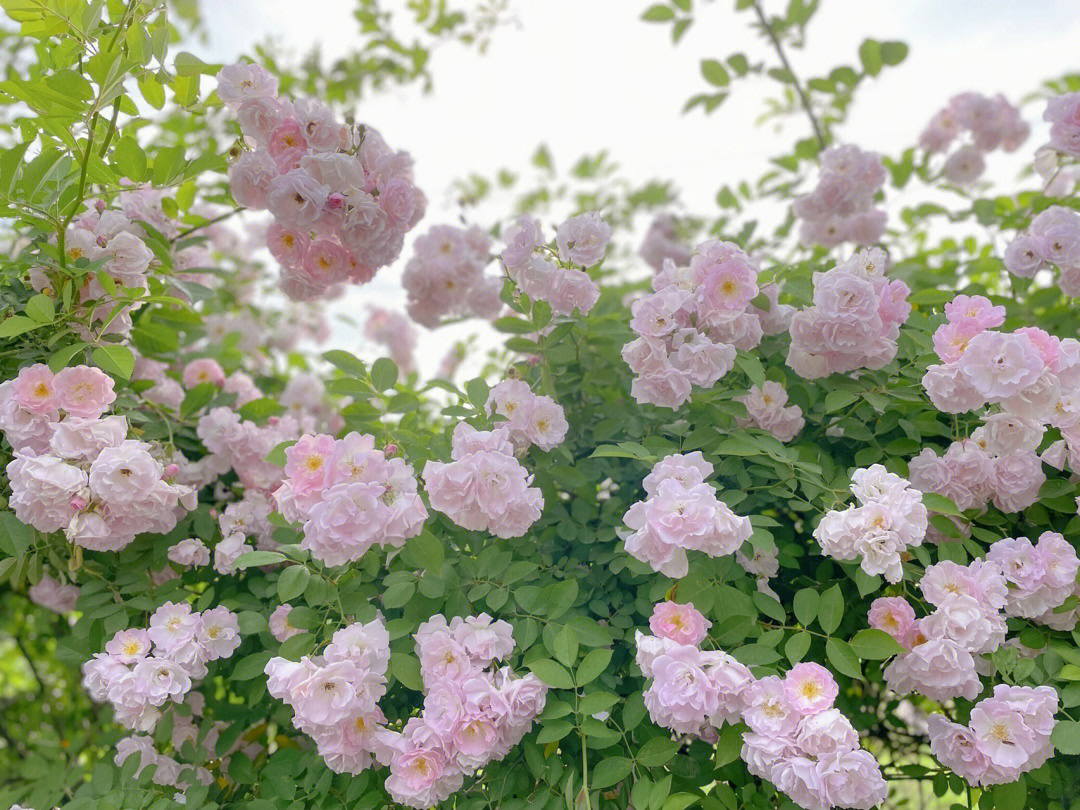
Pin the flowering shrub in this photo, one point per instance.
(752, 517)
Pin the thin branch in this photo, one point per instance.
(219, 218)
(794, 79)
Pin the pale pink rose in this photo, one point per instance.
(241, 82)
(35, 390)
(810, 688)
(250, 179)
(680, 623)
(894, 615)
(682, 696)
(84, 391)
(203, 370)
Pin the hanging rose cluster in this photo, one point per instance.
(395, 333)
(841, 206)
(1008, 735)
(445, 276)
(889, 519)
(472, 713)
(998, 463)
(767, 408)
(854, 321)
(334, 696)
(75, 469)
(681, 512)
(530, 418)
(580, 242)
(1052, 240)
(142, 670)
(349, 496)
(1025, 372)
(797, 740)
(982, 124)
(484, 487)
(342, 200)
(943, 649)
(691, 324)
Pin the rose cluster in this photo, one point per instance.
(983, 124)
(662, 243)
(889, 519)
(854, 321)
(334, 696)
(689, 327)
(484, 487)
(1041, 576)
(342, 200)
(1063, 113)
(349, 496)
(111, 237)
(999, 463)
(681, 512)
(142, 670)
(1027, 372)
(943, 650)
(445, 276)
(797, 739)
(393, 331)
(1007, 735)
(530, 418)
(841, 206)
(580, 243)
(54, 595)
(75, 469)
(767, 408)
(472, 714)
(243, 445)
(1052, 239)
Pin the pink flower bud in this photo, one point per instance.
(78, 503)
(335, 200)
(171, 470)
(391, 450)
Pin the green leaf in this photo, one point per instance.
(656, 752)
(260, 408)
(17, 325)
(560, 598)
(346, 362)
(187, 64)
(843, 658)
(384, 373)
(939, 503)
(117, 360)
(870, 56)
(1011, 796)
(593, 664)
(250, 666)
(1066, 737)
(805, 605)
(130, 159)
(292, 582)
(198, 398)
(658, 13)
(406, 668)
(893, 52)
(752, 367)
(566, 646)
(875, 645)
(715, 73)
(610, 771)
(40, 308)
(15, 536)
(250, 559)
(831, 609)
(515, 326)
(836, 400)
(796, 647)
(552, 674)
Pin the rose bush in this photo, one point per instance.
(790, 522)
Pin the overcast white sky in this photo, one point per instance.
(584, 75)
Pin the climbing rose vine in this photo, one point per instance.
(768, 506)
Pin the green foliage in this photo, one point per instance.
(73, 121)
